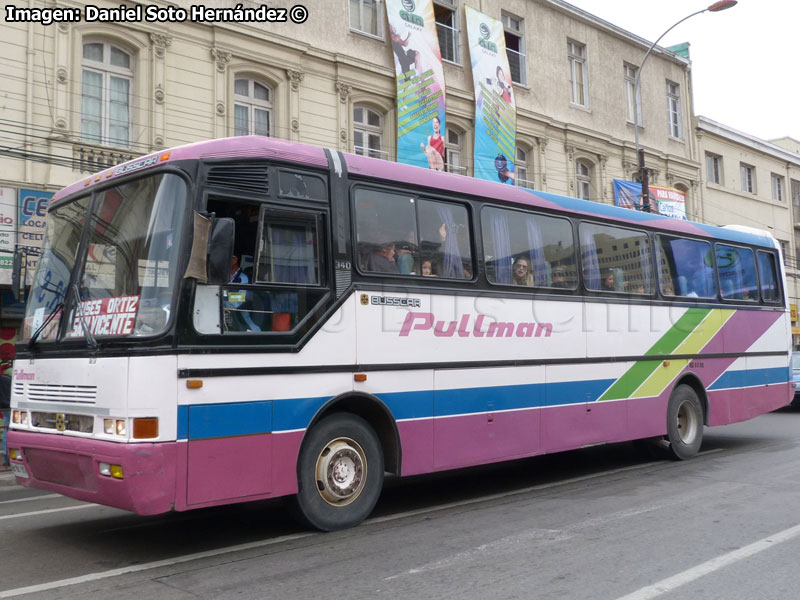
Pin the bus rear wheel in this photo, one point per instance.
(684, 423)
(339, 473)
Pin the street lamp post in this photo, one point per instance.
(643, 174)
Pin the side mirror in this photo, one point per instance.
(18, 274)
(220, 251)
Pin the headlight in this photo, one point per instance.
(121, 429)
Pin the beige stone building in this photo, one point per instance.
(753, 182)
(81, 95)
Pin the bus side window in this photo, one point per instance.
(687, 263)
(616, 259)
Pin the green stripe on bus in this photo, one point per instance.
(641, 370)
(693, 344)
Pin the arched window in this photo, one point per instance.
(252, 107)
(107, 81)
(524, 178)
(368, 132)
(453, 150)
(583, 175)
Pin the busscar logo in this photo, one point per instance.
(392, 301)
(364, 299)
(484, 42)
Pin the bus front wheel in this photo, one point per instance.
(684, 423)
(340, 473)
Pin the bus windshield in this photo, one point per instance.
(125, 274)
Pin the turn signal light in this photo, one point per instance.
(145, 428)
(14, 454)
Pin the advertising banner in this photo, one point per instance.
(420, 83)
(663, 200)
(32, 227)
(495, 105)
(8, 232)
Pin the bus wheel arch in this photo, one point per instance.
(376, 414)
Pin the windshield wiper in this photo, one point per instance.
(44, 324)
(90, 339)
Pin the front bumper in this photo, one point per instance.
(70, 466)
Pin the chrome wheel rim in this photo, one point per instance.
(688, 423)
(341, 471)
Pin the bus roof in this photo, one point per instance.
(266, 147)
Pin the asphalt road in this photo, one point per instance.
(607, 522)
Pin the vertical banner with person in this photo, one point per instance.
(495, 105)
(420, 83)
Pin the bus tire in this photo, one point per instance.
(339, 473)
(684, 423)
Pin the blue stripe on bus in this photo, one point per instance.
(751, 377)
(226, 420)
(244, 418)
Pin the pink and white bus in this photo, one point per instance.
(377, 318)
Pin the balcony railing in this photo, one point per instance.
(371, 152)
(91, 159)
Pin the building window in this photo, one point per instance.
(797, 242)
(523, 176)
(785, 251)
(368, 132)
(714, 169)
(252, 107)
(795, 194)
(674, 109)
(453, 150)
(632, 98)
(446, 17)
(515, 48)
(777, 188)
(366, 16)
(576, 53)
(748, 175)
(583, 175)
(106, 94)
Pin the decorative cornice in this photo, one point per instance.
(295, 77)
(160, 43)
(344, 90)
(222, 58)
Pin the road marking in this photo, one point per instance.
(147, 566)
(45, 497)
(720, 562)
(45, 512)
(264, 543)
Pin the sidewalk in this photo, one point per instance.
(6, 478)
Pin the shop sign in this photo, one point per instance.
(8, 232)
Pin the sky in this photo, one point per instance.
(743, 58)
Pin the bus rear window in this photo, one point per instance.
(768, 275)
